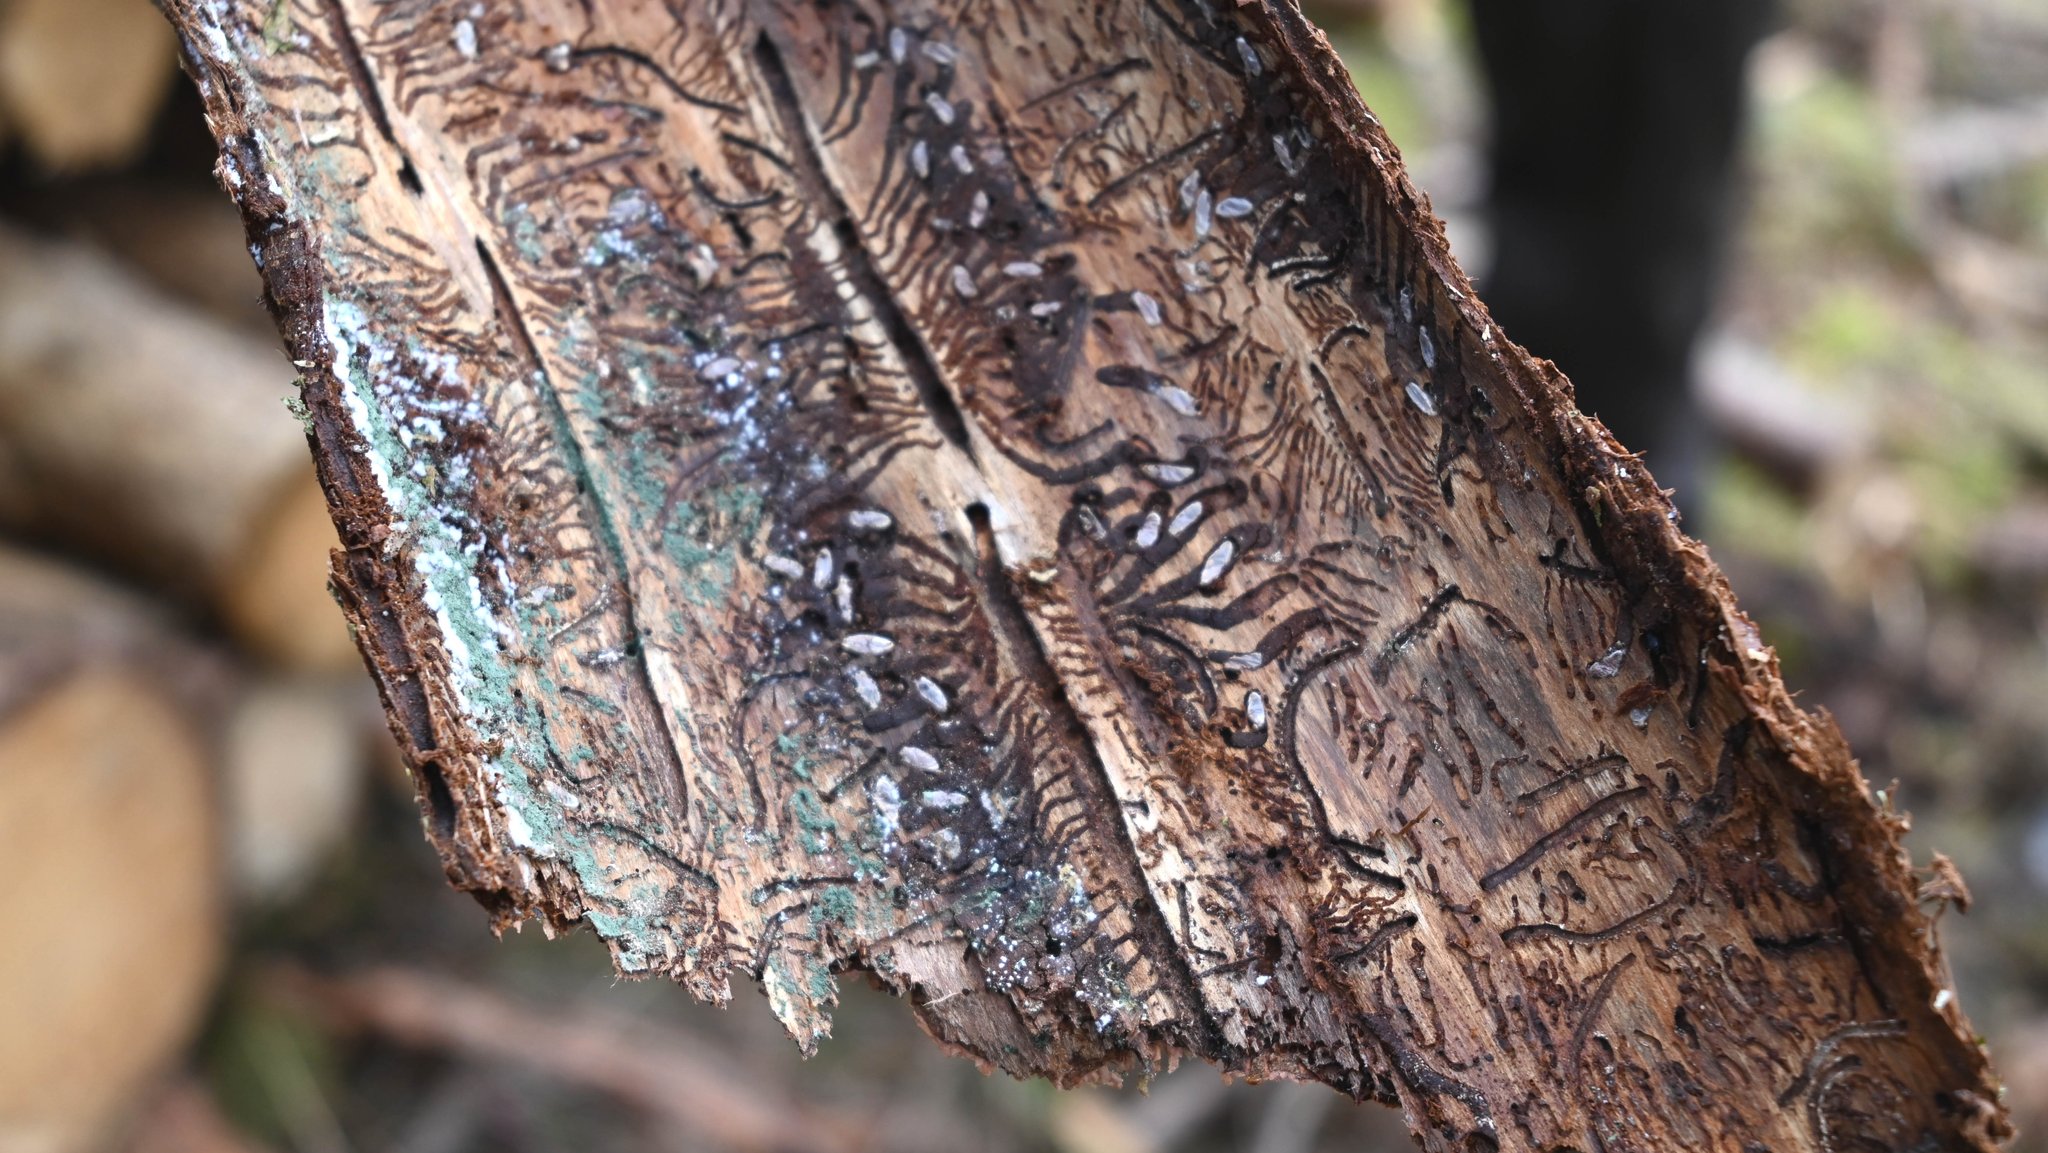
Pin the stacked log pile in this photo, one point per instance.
(182, 727)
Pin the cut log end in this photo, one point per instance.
(112, 909)
(81, 80)
(276, 600)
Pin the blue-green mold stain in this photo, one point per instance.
(402, 421)
(421, 485)
(815, 830)
(838, 905)
(703, 537)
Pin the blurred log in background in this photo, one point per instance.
(219, 905)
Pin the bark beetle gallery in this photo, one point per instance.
(1016, 498)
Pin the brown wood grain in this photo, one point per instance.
(1016, 498)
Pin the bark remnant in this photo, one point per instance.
(1018, 499)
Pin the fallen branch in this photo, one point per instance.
(664, 1073)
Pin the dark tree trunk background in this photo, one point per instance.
(1017, 499)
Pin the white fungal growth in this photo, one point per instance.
(1168, 473)
(1250, 56)
(867, 644)
(888, 805)
(869, 519)
(1186, 518)
(1420, 398)
(997, 812)
(1245, 662)
(1609, 664)
(1255, 709)
(563, 796)
(1148, 531)
(963, 281)
(522, 834)
(1232, 207)
(703, 263)
(1180, 400)
(1024, 269)
(918, 759)
(821, 569)
(777, 563)
(933, 695)
(1218, 562)
(1147, 308)
(864, 686)
(940, 106)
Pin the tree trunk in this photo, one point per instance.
(1017, 498)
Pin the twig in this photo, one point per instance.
(661, 1071)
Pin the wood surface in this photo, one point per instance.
(1017, 499)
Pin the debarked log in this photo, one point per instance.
(1016, 498)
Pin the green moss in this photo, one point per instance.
(1744, 504)
(272, 1070)
(1963, 414)
(1849, 329)
(1831, 175)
